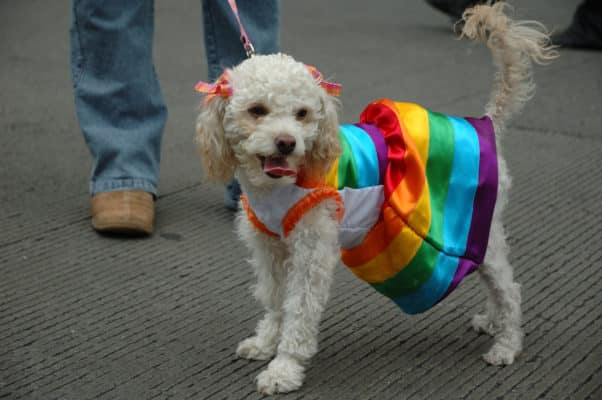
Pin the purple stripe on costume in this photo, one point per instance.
(484, 202)
(381, 148)
(465, 267)
(486, 194)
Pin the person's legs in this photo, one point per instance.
(586, 29)
(117, 96)
(120, 109)
(224, 49)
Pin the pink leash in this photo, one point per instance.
(222, 86)
(244, 38)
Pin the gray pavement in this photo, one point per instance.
(84, 316)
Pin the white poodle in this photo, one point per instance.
(272, 121)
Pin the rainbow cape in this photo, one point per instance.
(418, 190)
(439, 175)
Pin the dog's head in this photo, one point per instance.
(272, 120)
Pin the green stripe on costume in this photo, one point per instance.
(438, 170)
(409, 279)
(347, 169)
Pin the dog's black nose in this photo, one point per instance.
(285, 144)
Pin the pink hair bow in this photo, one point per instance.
(333, 89)
(222, 87)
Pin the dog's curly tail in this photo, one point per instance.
(515, 45)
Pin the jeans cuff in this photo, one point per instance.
(115, 185)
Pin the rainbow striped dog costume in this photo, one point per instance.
(417, 190)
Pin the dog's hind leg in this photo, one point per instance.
(314, 255)
(267, 259)
(503, 316)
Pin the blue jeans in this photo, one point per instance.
(118, 99)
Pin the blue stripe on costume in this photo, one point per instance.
(432, 290)
(364, 154)
(463, 183)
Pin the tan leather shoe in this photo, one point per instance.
(124, 212)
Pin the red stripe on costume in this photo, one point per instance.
(405, 177)
(385, 117)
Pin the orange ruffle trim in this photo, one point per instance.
(309, 201)
(254, 220)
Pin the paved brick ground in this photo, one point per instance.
(84, 316)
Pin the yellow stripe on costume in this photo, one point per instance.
(415, 122)
(415, 119)
(332, 177)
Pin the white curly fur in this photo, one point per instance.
(294, 274)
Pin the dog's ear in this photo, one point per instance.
(327, 146)
(217, 157)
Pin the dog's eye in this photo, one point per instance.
(301, 113)
(258, 110)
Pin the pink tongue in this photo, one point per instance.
(277, 166)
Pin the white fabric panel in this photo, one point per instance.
(271, 208)
(362, 210)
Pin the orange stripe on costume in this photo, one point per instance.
(406, 196)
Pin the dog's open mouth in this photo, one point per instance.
(276, 167)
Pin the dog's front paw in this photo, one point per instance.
(254, 348)
(500, 354)
(283, 375)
